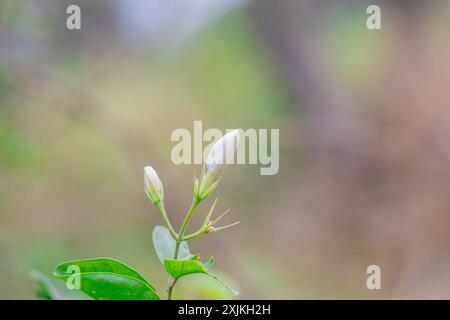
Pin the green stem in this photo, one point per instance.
(194, 206)
(199, 233)
(170, 288)
(179, 239)
(164, 216)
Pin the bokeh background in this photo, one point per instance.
(364, 119)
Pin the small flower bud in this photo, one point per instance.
(219, 156)
(153, 186)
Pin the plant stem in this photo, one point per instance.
(179, 239)
(164, 216)
(196, 234)
(194, 205)
(170, 288)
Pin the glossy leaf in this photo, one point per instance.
(181, 268)
(165, 244)
(105, 278)
(104, 265)
(51, 289)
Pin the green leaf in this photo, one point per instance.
(50, 289)
(105, 278)
(165, 244)
(208, 264)
(181, 268)
(103, 265)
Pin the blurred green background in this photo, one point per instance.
(364, 119)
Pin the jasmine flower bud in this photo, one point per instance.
(153, 186)
(219, 156)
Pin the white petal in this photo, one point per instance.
(152, 180)
(223, 150)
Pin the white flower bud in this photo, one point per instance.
(153, 185)
(222, 151)
(219, 156)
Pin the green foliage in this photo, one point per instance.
(180, 268)
(165, 244)
(50, 289)
(106, 278)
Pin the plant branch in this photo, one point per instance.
(179, 239)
